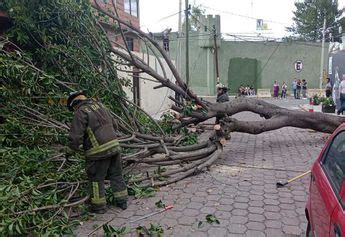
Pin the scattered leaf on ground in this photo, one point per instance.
(212, 219)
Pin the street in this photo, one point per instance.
(239, 190)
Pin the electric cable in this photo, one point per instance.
(162, 19)
(244, 16)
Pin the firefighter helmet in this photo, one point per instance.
(71, 99)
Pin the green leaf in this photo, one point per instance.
(212, 219)
(141, 230)
(160, 204)
(18, 229)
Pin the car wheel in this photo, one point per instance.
(309, 233)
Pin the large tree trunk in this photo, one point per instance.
(275, 117)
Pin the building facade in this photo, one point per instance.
(128, 11)
(253, 63)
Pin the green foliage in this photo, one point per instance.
(139, 192)
(194, 20)
(166, 123)
(23, 171)
(316, 99)
(148, 125)
(323, 100)
(212, 219)
(160, 204)
(62, 46)
(110, 231)
(328, 101)
(309, 15)
(154, 230)
(158, 172)
(188, 138)
(53, 48)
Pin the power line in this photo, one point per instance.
(269, 58)
(162, 19)
(244, 16)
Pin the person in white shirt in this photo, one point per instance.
(342, 95)
(335, 92)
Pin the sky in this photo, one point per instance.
(238, 17)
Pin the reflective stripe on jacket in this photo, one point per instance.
(93, 127)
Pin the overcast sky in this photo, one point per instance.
(236, 15)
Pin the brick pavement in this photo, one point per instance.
(239, 190)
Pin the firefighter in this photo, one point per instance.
(94, 130)
(222, 96)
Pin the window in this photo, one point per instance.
(128, 6)
(131, 7)
(130, 43)
(136, 88)
(334, 162)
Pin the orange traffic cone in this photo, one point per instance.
(311, 105)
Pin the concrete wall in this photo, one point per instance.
(275, 61)
(154, 101)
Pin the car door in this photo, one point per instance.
(337, 225)
(326, 179)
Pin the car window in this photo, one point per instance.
(334, 161)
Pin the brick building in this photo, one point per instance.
(128, 10)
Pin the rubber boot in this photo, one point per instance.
(122, 204)
(97, 209)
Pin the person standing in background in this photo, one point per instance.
(294, 88)
(222, 96)
(342, 95)
(275, 89)
(304, 88)
(328, 88)
(298, 89)
(284, 89)
(335, 91)
(166, 33)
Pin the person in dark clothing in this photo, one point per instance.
(298, 89)
(222, 96)
(94, 130)
(304, 88)
(328, 88)
(166, 33)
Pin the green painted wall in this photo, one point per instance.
(275, 61)
(242, 71)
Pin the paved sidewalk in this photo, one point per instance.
(240, 190)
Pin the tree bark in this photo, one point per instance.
(275, 117)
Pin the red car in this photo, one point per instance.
(325, 210)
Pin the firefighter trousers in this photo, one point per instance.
(97, 171)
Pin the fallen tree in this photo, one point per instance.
(61, 46)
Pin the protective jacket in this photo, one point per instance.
(94, 128)
(223, 98)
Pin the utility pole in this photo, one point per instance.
(322, 51)
(187, 41)
(180, 18)
(216, 53)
